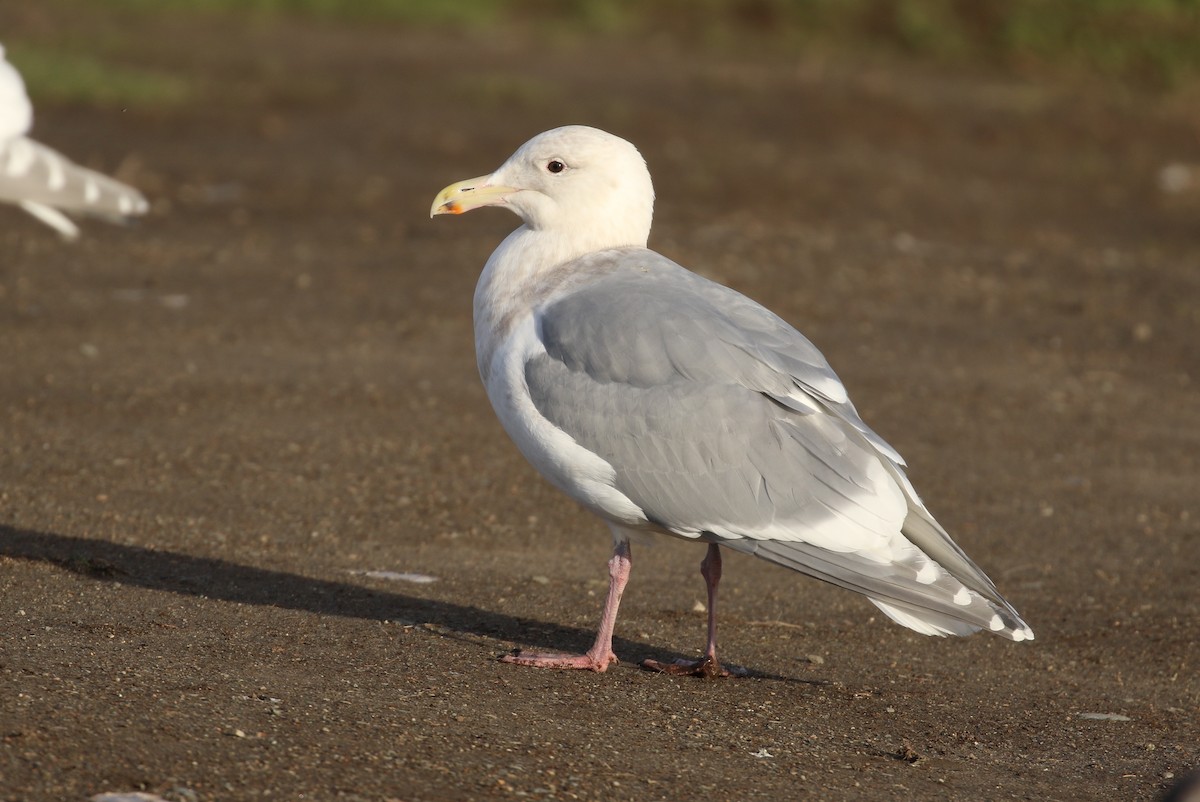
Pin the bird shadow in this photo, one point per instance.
(213, 578)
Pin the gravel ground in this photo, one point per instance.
(218, 427)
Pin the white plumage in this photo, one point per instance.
(44, 182)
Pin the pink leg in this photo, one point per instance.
(710, 569)
(601, 654)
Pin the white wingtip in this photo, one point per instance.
(928, 623)
(932, 623)
(53, 218)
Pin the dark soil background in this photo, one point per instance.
(215, 423)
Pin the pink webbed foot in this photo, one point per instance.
(588, 661)
(708, 668)
(600, 656)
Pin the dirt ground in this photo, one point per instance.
(215, 424)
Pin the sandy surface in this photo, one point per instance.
(215, 424)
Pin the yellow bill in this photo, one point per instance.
(470, 194)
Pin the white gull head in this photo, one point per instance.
(577, 184)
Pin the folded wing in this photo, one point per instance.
(723, 423)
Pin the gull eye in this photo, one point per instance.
(555, 166)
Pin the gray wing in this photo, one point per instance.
(723, 422)
(43, 182)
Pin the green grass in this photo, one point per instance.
(1150, 43)
(57, 76)
(471, 13)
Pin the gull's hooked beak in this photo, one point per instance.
(470, 194)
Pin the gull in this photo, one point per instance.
(44, 182)
(667, 403)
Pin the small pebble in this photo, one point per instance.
(1175, 178)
